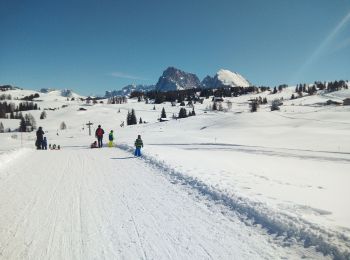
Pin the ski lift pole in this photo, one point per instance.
(89, 125)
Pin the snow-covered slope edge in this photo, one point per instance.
(12, 155)
(289, 229)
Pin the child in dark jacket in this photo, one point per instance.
(138, 145)
(44, 144)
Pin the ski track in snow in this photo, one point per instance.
(270, 151)
(105, 204)
(285, 226)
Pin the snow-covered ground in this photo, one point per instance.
(278, 179)
(80, 203)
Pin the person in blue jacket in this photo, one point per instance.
(44, 144)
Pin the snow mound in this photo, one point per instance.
(230, 78)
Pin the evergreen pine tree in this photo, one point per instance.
(22, 125)
(128, 118)
(275, 105)
(163, 115)
(220, 108)
(131, 118)
(63, 126)
(182, 113)
(140, 121)
(1, 128)
(32, 121)
(254, 106)
(2, 113)
(29, 122)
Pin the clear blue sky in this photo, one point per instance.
(95, 45)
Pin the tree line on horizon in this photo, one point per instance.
(14, 111)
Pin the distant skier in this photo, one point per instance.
(110, 138)
(39, 138)
(99, 135)
(138, 145)
(44, 145)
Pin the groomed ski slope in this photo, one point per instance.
(81, 203)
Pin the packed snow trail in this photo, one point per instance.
(81, 203)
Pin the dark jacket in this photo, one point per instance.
(40, 134)
(138, 143)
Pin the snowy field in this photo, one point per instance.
(220, 185)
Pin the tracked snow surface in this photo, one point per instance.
(220, 185)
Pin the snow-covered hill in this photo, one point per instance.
(284, 174)
(47, 95)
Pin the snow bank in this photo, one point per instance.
(9, 156)
(289, 228)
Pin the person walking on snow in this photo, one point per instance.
(39, 138)
(110, 138)
(99, 135)
(138, 145)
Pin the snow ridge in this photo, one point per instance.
(290, 229)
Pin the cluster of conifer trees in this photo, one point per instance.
(13, 110)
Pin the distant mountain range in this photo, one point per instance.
(172, 79)
(127, 90)
(176, 79)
